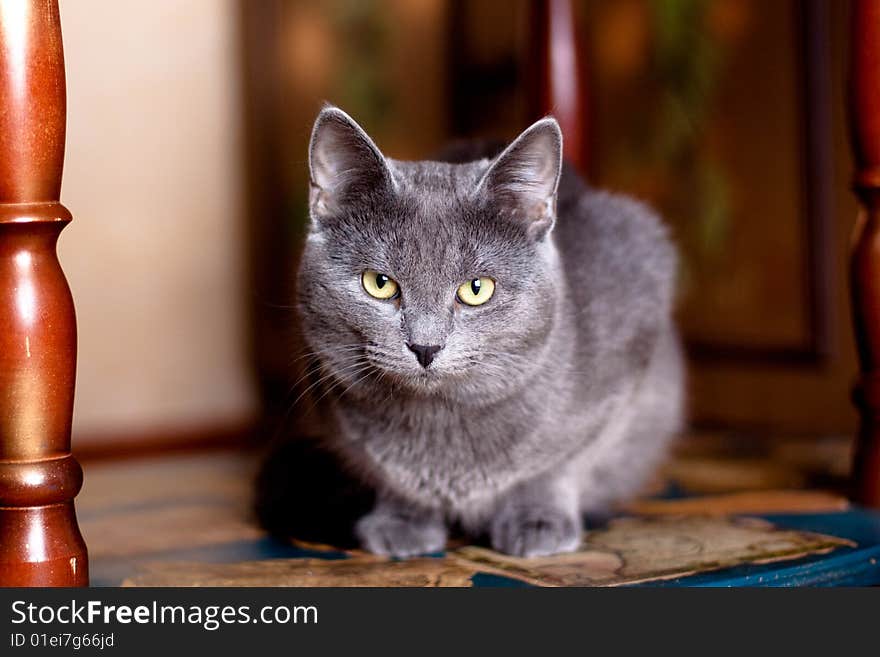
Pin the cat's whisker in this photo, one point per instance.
(311, 372)
(389, 385)
(352, 385)
(338, 381)
(320, 363)
(289, 407)
(321, 352)
(328, 375)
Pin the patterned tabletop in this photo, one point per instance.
(187, 520)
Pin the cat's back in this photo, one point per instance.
(619, 261)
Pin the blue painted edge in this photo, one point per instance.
(858, 566)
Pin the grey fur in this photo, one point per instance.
(554, 399)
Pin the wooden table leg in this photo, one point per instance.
(864, 107)
(40, 542)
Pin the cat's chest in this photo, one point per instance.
(435, 431)
(435, 453)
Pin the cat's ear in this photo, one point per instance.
(343, 163)
(525, 177)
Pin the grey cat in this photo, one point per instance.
(494, 339)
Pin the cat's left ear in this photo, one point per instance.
(525, 177)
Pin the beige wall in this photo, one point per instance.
(155, 254)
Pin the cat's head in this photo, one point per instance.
(436, 278)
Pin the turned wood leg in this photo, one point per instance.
(40, 542)
(864, 106)
(557, 77)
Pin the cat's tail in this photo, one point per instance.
(305, 492)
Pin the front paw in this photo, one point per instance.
(535, 531)
(400, 536)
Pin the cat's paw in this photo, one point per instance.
(399, 536)
(535, 532)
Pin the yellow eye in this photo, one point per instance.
(379, 285)
(476, 292)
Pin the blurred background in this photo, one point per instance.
(186, 172)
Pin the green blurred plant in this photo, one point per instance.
(669, 156)
(360, 85)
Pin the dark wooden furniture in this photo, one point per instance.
(556, 71)
(558, 86)
(864, 106)
(40, 542)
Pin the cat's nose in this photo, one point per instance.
(424, 353)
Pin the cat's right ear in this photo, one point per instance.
(343, 163)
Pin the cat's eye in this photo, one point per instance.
(379, 286)
(476, 291)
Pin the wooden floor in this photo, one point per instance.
(139, 513)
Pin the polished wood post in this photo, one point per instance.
(40, 542)
(557, 75)
(864, 111)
